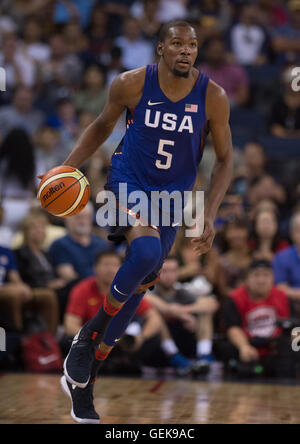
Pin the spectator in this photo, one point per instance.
(147, 13)
(266, 188)
(248, 41)
(33, 44)
(75, 254)
(286, 38)
(136, 51)
(265, 240)
(98, 33)
(17, 296)
(63, 69)
(19, 66)
(285, 113)
(17, 177)
(115, 66)
(232, 77)
(237, 257)
(194, 339)
(21, 113)
(49, 151)
(65, 121)
(287, 265)
(251, 314)
(75, 40)
(93, 95)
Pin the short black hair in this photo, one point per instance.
(106, 253)
(164, 30)
(260, 263)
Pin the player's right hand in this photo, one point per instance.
(248, 353)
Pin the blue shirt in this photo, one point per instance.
(67, 251)
(286, 266)
(7, 264)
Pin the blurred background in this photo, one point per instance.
(60, 58)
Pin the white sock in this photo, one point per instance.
(204, 347)
(169, 347)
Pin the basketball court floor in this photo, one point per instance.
(37, 399)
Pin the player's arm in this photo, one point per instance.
(217, 111)
(123, 91)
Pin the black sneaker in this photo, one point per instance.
(83, 410)
(78, 364)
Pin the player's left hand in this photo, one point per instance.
(204, 243)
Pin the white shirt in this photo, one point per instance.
(247, 42)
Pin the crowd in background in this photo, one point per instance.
(60, 57)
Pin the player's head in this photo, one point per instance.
(178, 47)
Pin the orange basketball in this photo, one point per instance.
(64, 191)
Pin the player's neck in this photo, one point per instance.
(169, 81)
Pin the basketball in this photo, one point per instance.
(64, 191)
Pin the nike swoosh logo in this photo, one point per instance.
(124, 294)
(74, 387)
(117, 340)
(46, 361)
(176, 225)
(154, 103)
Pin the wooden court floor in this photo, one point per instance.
(38, 399)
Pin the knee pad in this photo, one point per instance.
(144, 255)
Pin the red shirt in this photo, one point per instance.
(259, 317)
(85, 300)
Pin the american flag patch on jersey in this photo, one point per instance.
(191, 108)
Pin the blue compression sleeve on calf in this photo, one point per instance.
(120, 322)
(144, 255)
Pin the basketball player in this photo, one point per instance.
(170, 107)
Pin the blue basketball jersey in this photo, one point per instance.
(164, 140)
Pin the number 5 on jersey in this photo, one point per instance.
(159, 163)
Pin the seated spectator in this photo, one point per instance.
(75, 254)
(75, 40)
(232, 77)
(285, 113)
(286, 38)
(20, 67)
(193, 334)
(248, 40)
(136, 51)
(65, 121)
(287, 265)
(266, 188)
(93, 95)
(98, 33)
(21, 113)
(53, 232)
(172, 10)
(18, 296)
(17, 177)
(50, 151)
(63, 69)
(145, 333)
(265, 240)
(147, 13)
(33, 262)
(251, 314)
(235, 261)
(33, 41)
(115, 66)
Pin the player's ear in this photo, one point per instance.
(160, 47)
